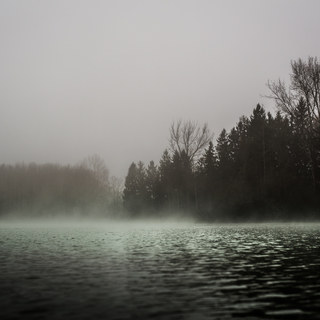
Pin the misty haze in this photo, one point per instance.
(159, 160)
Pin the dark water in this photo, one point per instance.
(164, 271)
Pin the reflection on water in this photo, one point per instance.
(162, 272)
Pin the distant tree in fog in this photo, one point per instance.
(130, 192)
(51, 188)
(142, 190)
(116, 189)
(100, 170)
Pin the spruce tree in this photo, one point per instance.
(130, 192)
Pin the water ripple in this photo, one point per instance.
(161, 272)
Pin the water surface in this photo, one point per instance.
(159, 271)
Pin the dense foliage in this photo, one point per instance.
(259, 170)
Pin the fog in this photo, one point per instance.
(96, 219)
(109, 78)
(90, 88)
(173, 221)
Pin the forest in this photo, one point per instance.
(260, 170)
(266, 168)
(47, 190)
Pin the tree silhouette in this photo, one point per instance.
(303, 93)
(189, 137)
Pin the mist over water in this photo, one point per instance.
(168, 270)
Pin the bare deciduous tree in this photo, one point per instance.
(305, 83)
(99, 168)
(303, 92)
(189, 137)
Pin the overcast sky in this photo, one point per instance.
(79, 78)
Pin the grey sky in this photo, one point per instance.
(109, 77)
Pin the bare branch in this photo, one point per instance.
(99, 168)
(305, 83)
(189, 137)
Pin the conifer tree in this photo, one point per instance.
(130, 192)
(165, 191)
(303, 93)
(152, 186)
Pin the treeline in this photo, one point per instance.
(49, 189)
(267, 167)
(259, 170)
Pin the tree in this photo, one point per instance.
(223, 150)
(257, 149)
(188, 136)
(152, 185)
(115, 197)
(135, 193)
(207, 163)
(206, 181)
(303, 90)
(182, 180)
(96, 164)
(130, 191)
(187, 141)
(165, 192)
(142, 187)
(49, 189)
(305, 82)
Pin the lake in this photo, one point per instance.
(159, 271)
